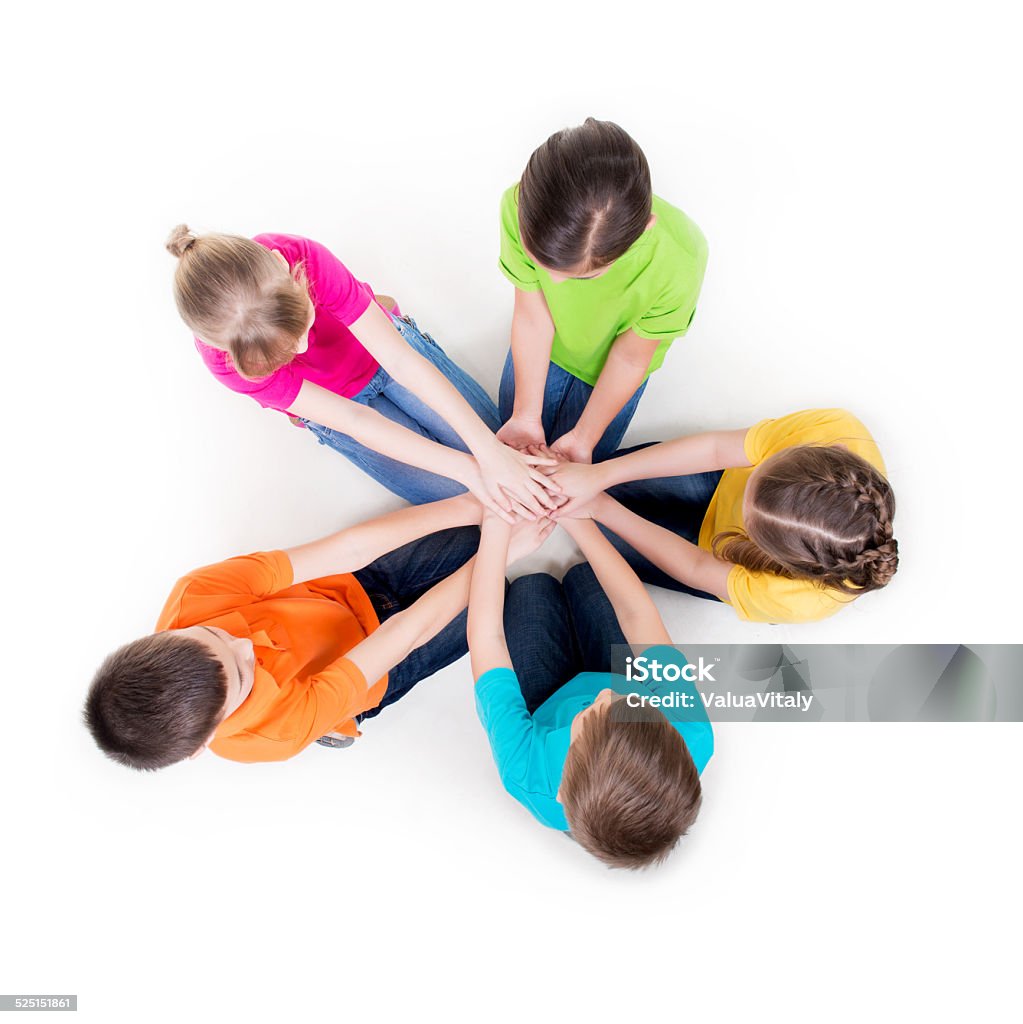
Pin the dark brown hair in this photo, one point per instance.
(818, 512)
(629, 787)
(155, 701)
(584, 197)
(235, 295)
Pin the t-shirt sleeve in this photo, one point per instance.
(278, 391)
(507, 722)
(764, 597)
(208, 592)
(514, 263)
(331, 700)
(332, 284)
(673, 312)
(811, 426)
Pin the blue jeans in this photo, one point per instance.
(678, 503)
(397, 580)
(564, 398)
(556, 630)
(386, 396)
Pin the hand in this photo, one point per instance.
(513, 483)
(573, 447)
(521, 432)
(527, 537)
(579, 485)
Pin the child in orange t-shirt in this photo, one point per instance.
(260, 656)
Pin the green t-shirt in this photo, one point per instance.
(652, 289)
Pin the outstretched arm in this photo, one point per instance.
(357, 546)
(674, 555)
(487, 645)
(698, 453)
(636, 612)
(510, 477)
(404, 632)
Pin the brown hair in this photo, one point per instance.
(629, 787)
(821, 513)
(155, 701)
(234, 294)
(584, 197)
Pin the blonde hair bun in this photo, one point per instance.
(180, 240)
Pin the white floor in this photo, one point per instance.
(857, 178)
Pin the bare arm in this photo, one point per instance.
(487, 646)
(357, 546)
(404, 632)
(532, 335)
(504, 471)
(674, 555)
(622, 373)
(379, 433)
(698, 453)
(636, 612)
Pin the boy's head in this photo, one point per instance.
(629, 787)
(159, 700)
(584, 198)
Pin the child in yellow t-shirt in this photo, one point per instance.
(787, 521)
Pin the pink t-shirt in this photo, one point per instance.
(335, 358)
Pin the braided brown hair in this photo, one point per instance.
(820, 513)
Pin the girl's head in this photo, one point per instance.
(241, 297)
(820, 513)
(584, 198)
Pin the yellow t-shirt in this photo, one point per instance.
(763, 596)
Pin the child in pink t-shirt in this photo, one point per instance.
(280, 318)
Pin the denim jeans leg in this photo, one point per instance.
(594, 621)
(404, 574)
(555, 389)
(575, 395)
(470, 389)
(538, 631)
(398, 579)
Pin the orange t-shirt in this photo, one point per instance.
(304, 686)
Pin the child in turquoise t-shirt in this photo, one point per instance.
(583, 748)
(606, 276)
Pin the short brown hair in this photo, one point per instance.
(629, 787)
(155, 701)
(821, 513)
(232, 292)
(585, 197)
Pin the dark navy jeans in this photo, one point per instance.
(556, 630)
(397, 580)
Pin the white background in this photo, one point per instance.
(857, 174)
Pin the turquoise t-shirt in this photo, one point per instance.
(652, 290)
(530, 750)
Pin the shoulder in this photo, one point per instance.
(812, 426)
(212, 589)
(765, 597)
(677, 234)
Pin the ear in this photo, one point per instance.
(651, 222)
(280, 257)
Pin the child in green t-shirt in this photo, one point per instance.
(606, 276)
